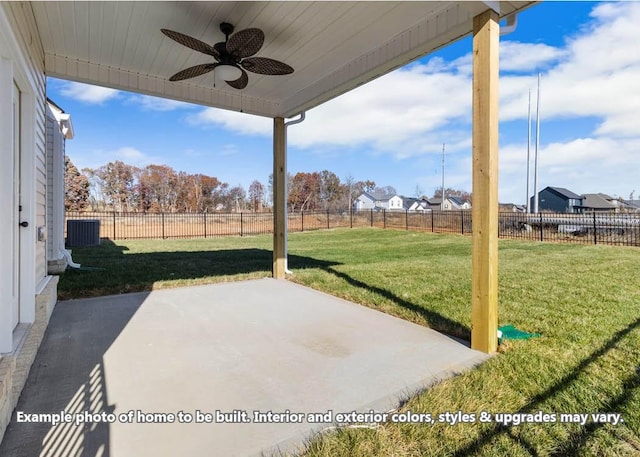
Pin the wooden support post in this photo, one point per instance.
(279, 197)
(484, 255)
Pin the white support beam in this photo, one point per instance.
(484, 255)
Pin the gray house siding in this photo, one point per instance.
(550, 199)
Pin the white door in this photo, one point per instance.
(15, 202)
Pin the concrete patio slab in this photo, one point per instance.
(237, 348)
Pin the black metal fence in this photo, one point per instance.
(592, 228)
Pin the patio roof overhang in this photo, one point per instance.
(333, 46)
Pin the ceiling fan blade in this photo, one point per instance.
(192, 72)
(241, 82)
(245, 43)
(191, 42)
(265, 66)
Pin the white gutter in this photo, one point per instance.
(512, 23)
(286, 192)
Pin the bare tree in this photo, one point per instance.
(256, 195)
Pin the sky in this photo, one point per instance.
(392, 129)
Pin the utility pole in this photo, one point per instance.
(535, 168)
(528, 201)
(442, 202)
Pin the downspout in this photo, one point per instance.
(67, 255)
(286, 192)
(512, 23)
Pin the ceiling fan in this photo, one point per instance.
(233, 56)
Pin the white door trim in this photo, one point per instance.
(15, 66)
(15, 161)
(6, 193)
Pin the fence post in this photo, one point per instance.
(205, 224)
(406, 219)
(541, 229)
(384, 218)
(114, 225)
(432, 218)
(302, 221)
(162, 216)
(350, 217)
(327, 219)
(462, 221)
(241, 225)
(595, 231)
(371, 217)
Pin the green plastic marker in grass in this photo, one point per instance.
(509, 332)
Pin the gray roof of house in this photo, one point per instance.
(565, 192)
(408, 201)
(380, 196)
(605, 196)
(634, 203)
(434, 201)
(597, 201)
(457, 200)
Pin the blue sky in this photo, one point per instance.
(391, 130)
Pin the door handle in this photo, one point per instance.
(24, 224)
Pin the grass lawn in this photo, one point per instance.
(584, 300)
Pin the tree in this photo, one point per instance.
(304, 191)
(157, 188)
(453, 193)
(388, 190)
(331, 190)
(256, 195)
(234, 198)
(117, 183)
(97, 199)
(368, 185)
(195, 193)
(76, 187)
(359, 187)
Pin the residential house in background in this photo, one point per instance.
(455, 203)
(415, 204)
(435, 203)
(59, 129)
(600, 203)
(558, 200)
(363, 202)
(512, 208)
(632, 206)
(378, 201)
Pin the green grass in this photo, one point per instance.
(584, 300)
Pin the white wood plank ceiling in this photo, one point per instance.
(333, 46)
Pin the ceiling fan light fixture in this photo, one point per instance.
(228, 72)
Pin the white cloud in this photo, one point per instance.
(599, 75)
(130, 155)
(584, 165)
(246, 124)
(126, 154)
(517, 56)
(87, 93)
(386, 113)
(228, 150)
(594, 74)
